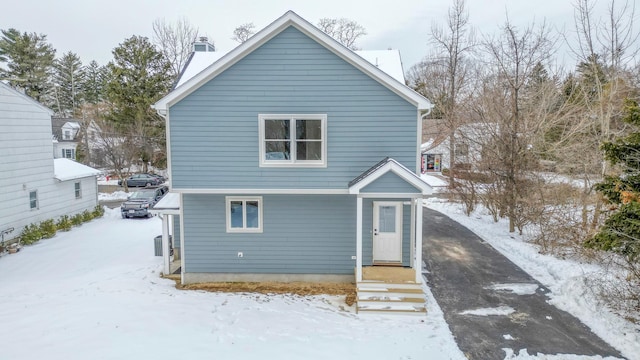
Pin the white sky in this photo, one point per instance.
(93, 28)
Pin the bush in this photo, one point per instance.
(77, 219)
(87, 216)
(30, 234)
(98, 211)
(64, 223)
(48, 229)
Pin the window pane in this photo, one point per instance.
(277, 150)
(33, 199)
(387, 219)
(236, 214)
(309, 150)
(276, 129)
(252, 215)
(309, 129)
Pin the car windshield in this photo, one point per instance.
(144, 194)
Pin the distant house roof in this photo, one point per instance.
(390, 80)
(58, 123)
(66, 169)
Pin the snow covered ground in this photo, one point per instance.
(95, 292)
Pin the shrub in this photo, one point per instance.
(98, 211)
(48, 229)
(30, 234)
(77, 219)
(87, 216)
(64, 223)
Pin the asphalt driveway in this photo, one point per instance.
(491, 304)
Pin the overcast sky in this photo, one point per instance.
(93, 28)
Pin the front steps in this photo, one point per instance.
(380, 297)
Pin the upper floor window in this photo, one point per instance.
(67, 135)
(293, 140)
(33, 200)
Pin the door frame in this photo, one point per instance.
(399, 227)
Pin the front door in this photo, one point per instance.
(387, 231)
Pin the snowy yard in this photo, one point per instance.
(95, 292)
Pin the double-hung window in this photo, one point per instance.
(244, 214)
(293, 140)
(78, 190)
(33, 200)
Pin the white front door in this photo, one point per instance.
(387, 231)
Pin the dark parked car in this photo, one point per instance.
(139, 202)
(142, 180)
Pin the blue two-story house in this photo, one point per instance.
(294, 159)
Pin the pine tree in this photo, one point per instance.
(94, 83)
(68, 79)
(138, 76)
(621, 230)
(29, 61)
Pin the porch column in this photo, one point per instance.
(165, 244)
(418, 264)
(358, 239)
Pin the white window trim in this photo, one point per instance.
(229, 199)
(37, 200)
(77, 192)
(292, 162)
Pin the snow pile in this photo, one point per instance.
(116, 195)
(518, 289)
(497, 311)
(565, 278)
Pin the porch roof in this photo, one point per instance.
(169, 204)
(384, 166)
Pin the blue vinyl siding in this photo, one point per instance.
(176, 231)
(214, 130)
(367, 231)
(390, 183)
(302, 234)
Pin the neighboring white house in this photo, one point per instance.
(468, 145)
(33, 186)
(65, 137)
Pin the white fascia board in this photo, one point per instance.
(291, 19)
(397, 169)
(264, 191)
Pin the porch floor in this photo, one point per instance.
(388, 274)
(174, 266)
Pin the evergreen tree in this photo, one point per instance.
(29, 60)
(93, 86)
(138, 76)
(621, 230)
(68, 79)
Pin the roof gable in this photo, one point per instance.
(290, 19)
(383, 167)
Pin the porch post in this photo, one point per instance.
(358, 239)
(165, 244)
(418, 264)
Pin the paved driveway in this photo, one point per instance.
(470, 281)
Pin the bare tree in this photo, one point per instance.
(175, 41)
(243, 32)
(344, 30)
(116, 146)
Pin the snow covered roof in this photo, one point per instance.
(169, 204)
(388, 61)
(66, 169)
(285, 21)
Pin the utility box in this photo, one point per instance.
(158, 245)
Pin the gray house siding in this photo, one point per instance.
(367, 231)
(302, 234)
(214, 130)
(176, 231)
(390, 183)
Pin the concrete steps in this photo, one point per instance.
(381, 297)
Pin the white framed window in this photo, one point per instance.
(244, 214)
(67, 135)
(78, 190)
(288, 140)
(33, 199)
(69, 154)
